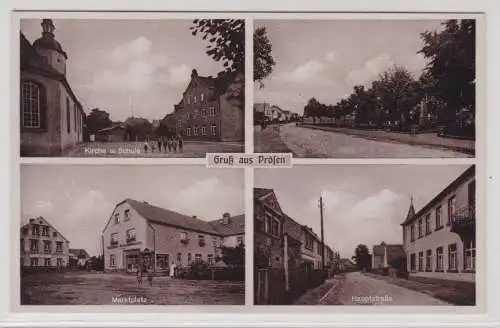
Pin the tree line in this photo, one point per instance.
(446, 85)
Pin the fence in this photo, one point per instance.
(270, 287)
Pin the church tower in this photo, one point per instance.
(48, 47)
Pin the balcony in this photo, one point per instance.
(463, 222)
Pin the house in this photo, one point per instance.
(346, 265)
(79, 255)
(140, 232)
(210, 109)
(439, 239)
(51, 116)
(390, 257)
(42, 245)
(287, 255)
(115, 133)
(259, 112)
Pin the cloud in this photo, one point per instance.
(371, 69)
(177, 75)
(351, 220)
(213, 196)
(131, 67)
(305, 72)
(39, 208)
(84, 221)
(331, 56)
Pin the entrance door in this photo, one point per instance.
(131, 262)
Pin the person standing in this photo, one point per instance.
(173, 267)
(150, 276)
(169, 144)
(159, 143)
(181, 143)
(139, 274)
(174, 144)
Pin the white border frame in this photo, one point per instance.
(296, 317)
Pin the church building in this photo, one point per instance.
(51, 117)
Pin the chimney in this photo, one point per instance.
(145, 202)
(194, 217)
(226, 218)
(32, 220)
(194, 73)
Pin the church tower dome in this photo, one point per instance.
(49, 48)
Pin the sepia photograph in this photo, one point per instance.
(120, 235)
(386, 88)
(365, 235)
(131, 87)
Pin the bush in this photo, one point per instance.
(234, 273)
(467, 132)
(198, 270)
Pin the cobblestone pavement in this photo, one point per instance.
(306, 142)
(359, 289)
(136, 149)
(107, 289)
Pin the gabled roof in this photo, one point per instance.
(79, 252)
(163, 216)
(48, 224)
(261, 192)
(236, 226)
(470, 172)
(411, 213)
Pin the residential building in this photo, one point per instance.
(51, 116)
(388, 256)
(210, 109)
(115, 133)
(42, 245)
(346, 265)
(79, 255)
(439, 239)
(138, 231)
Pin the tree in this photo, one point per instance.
(226, 39)
(97, 120)
(451, 67)
(234, 256)
(263, 61)
(362, 257)
(138, 127)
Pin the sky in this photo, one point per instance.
(128, 66)
(363, 204)
(326, 59)
(78, 200)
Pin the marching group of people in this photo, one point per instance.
(165, 144)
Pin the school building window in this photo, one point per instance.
(197, 257)
(195, 131)
(451, 208)
(439, 223)
(210, 259)
(413, 263)
(428, 260)
(46, 262)
(421, 261)
(31, 105)
(470, 254)
(204, 131)
(420, 224)
(452, 257)
(188, 131)
(428, 224)
(214, 129)
(439, 259)
(34, 262)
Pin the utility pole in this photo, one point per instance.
(322, 234)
